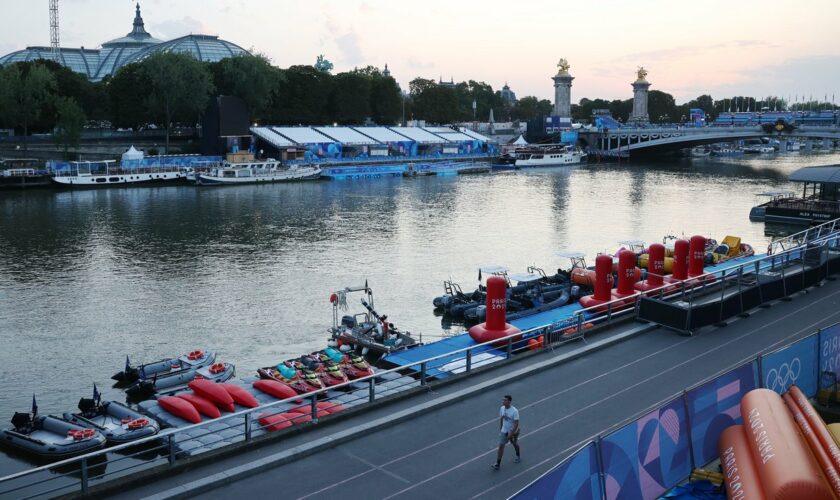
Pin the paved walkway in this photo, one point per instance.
(446, 451)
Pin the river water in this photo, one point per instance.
(88, 277)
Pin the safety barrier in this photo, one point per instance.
(658, 448)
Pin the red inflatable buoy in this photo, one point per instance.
(496, 326)
(603, 283)
(680, 260)
(180, 408)
(274, 388)
(655, 268)
(696, 256)
(240, 395)
(213, 392)
(203, 405)
(274, 422)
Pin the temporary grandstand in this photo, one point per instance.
(325, 143)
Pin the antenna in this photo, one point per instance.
(54, 29)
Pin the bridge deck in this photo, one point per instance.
(446, 451)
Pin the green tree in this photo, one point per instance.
(25, 92)
(251, 78)
(350, 100)
(127, 92)
(179, 88)
(301, 97)
(662, 108)
(385, 100)
(530, 107)
(70, 121)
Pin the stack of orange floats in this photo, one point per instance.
(783, 450)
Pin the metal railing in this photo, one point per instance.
(798, 239)
(75, 474)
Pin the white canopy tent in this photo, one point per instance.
(132, 154)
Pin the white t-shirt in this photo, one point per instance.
(508, 415)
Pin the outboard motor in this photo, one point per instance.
(348, 321)
(88, 406)
(22, 422)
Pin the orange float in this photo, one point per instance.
(737, 465)
(784, 464)
(810, 436)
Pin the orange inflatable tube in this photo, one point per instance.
(818, 426)
(736, 462)
(814, 443)
(785, 466)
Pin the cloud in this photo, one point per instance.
(691, 50)
(348, 47)
(174, 28)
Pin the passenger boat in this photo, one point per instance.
(257, 172)
(192, 360)
(368, 333)
(549, 155)
(117, 422)
(820, 201)
(50, 437)
(23, 173)
(700, 152)
(93, 174)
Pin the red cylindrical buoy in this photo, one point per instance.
(603, 283)
(603, 278)
(496, 303)
(696, 255)
(680, 260)
(626, 272)
(656, 268)
(495, 327)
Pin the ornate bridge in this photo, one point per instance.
(653, 140)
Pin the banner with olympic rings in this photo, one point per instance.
(792, 364)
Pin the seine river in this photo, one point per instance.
(88, 277)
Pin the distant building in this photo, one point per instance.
(449, 84)
(387, 72)
(508, 96)
(137, 45)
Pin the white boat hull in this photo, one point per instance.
(122, 179)
(552, 160)
(293, 174)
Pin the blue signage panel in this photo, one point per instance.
(794, 364)
(575, 478)
(649, 456)
(830, 350)
(715, 406)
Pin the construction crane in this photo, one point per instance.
(54, 30)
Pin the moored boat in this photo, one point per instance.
(192, 360)
(50, 437)
(548, 155)
(257, 172)
(179, 377)
(87, 174)
(117, 422)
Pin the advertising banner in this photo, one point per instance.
(794, 364)
(575, 478)
(715, 406)
(649, 456)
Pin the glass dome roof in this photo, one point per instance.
(205, 48)
(133, 47)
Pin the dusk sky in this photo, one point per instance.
(689, 48)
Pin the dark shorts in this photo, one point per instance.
(503, 438)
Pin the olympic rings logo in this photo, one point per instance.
(784, 377)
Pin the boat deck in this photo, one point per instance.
(441, 443)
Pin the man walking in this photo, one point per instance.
(508, 430)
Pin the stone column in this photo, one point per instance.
(563, 92)
(640, 99)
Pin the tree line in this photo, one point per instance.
(167, 89)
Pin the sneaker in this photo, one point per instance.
(495, 466)
(517, 460)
